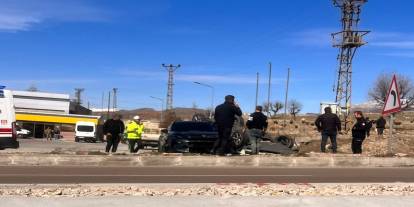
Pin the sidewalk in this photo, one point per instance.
(352, 201)
(178, 160)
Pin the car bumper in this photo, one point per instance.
(184, 145)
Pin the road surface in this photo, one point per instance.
(40, 174)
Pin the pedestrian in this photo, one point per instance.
(48, 134)
(380, 125)
(224, 117)
(134, 132)
(329, 125)
(359, 132)
(56, 133)
(113, 129)
(256, 128)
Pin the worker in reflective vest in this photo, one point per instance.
(134, 131)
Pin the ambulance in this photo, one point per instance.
(8, 133)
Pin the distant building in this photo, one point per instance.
(37, 111)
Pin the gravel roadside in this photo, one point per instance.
(221, 190)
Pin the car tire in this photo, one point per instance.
(76, 139)
(239, 140)
(285, 140)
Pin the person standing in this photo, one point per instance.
(380, 125)
(48, 134)
(113, 129)
(225, 116)
(134, 132)
(359, 132)
(329, 125)
(256, 127)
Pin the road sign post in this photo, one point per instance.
(392, 106)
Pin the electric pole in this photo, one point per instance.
(287, 96)
(109, 105)
(348, 41)
(78, 95)
(115, 99)
(268, 90)
(170, 92)
(257, 88)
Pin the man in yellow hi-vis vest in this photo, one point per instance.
(134, 132)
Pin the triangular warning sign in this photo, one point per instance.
(393, 102)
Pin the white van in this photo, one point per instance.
(85, 131)
(8, 135)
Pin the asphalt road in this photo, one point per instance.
(40, 174)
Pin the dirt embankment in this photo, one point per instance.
(308, 138)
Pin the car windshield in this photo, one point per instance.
(192, 126)
(85, 128)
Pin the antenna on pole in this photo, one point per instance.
(348, 41)
(170, 93)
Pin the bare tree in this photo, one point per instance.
(273, 108)
(295, 107)
(276, 107)
(381, 86)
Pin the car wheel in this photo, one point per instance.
(76, 139)
(20, 136)
(285, 140)
(239, 140)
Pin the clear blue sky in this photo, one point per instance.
(59, 45)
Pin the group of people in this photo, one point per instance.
(50, 133)
(225, 116)
(115, 130)
(329, 125)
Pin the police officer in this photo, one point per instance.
(224, 116)
(329, 125)
(359, 132)
(256, 127)
(134, 132)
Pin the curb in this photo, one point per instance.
(202, 161)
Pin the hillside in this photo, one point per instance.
(154, 115)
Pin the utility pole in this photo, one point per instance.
(78, 95)
(170, 92)
(109, 105)
(102, 103)
(348, 41)
(268, 89)
(257, 88)
(115, 99)
(287, 96)
(162, 107)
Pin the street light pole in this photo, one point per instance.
(212, 96)
(162, 107)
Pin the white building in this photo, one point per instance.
(27, 101)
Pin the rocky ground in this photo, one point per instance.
(308, 139)
(222, 190)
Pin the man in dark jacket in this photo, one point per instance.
(224, 116)
(113, 129)
(256, 125)
(329, 125)
(380, 124)
(359, 132)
